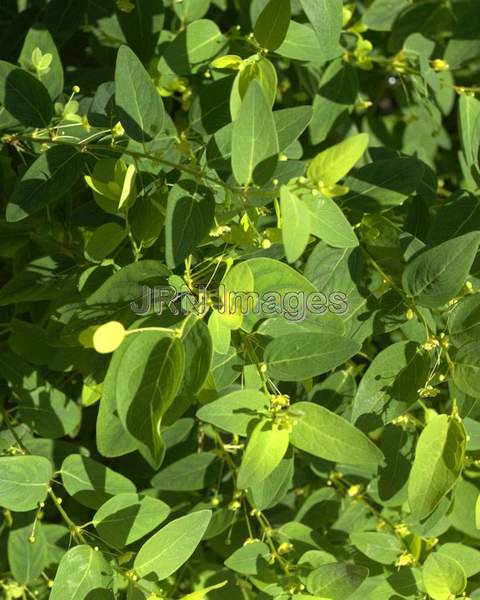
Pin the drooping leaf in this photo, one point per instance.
(438, 464)
(266, 447)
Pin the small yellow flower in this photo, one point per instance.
(440, 65)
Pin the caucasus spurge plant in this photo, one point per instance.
(240, 299)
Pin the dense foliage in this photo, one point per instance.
(239, 304)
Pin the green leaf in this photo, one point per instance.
(295, 224)
(298, 356)
(125, 285)
(390, 385)
(383, 184)
(172, 546)
(332, 164)
(322, 433)
(272, 490)
(128, 517)
(142, 27)
(290, 124)
(469, 127)
(194, 46)
(24, 96)
(24, 482)
(236, 411)
(467, 557)
(383, 548)
(263, 72)
(326, 18)
(193, 472)
(190, 214)
(438, 464)
(148, 379)
(302, 44)
(435, 275)
(272, 24)
(47, 179)
(90, 483)
(139, 105)
(105, 239)
(27, 559)
(254, 139)
(336, 581)
(265, 449)
(111, 436)
(191, 10)
(466, 368)
(328, 222)
(443, 577)
(464, 321)
(52, 78)
(248, 559)
(83, 574)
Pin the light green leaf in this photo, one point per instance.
(52, 78)
(390, 385)
(438, 464)
(326, 18)
(193, 472)
(83, 574)
(105, 239)
(272, 490)
(295, 224)
(194, 46)
(336, 581)
(91, 483)
(443, 577)
(127, 517)
(24, 481)
(466, 368)
(272, 24)
(265, 449)
(332, 164)
(254, 139)
(172, 546)
(380, 547)
(435, 275)
(27, 559)
(236, 411)
(328, 222)
(298, 356)
(469, 128)
(139, 105)
(248, 559)
(324, 434)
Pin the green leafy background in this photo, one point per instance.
(303, 148)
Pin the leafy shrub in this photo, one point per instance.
(239, 312)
